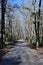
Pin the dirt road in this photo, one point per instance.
(21, 54)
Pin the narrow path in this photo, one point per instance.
(20, 54)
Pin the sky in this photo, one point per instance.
(15, 2)
(21, 1)
(25, 2)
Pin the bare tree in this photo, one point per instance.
(3, 9)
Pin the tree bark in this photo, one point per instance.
(38, 24)
(3, 7)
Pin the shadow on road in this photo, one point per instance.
(18, 41)
(11, 61)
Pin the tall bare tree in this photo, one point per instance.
(38, 23)
(3, 8)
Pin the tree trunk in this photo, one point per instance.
(3, 6)
(38, 24)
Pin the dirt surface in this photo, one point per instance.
(21, 54)
(40, 52)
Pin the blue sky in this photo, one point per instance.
(25, 2)
(19, 2)
(15, 2)
(42, 3)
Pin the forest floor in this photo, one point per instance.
(21, 54)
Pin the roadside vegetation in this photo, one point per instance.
(21, 22)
